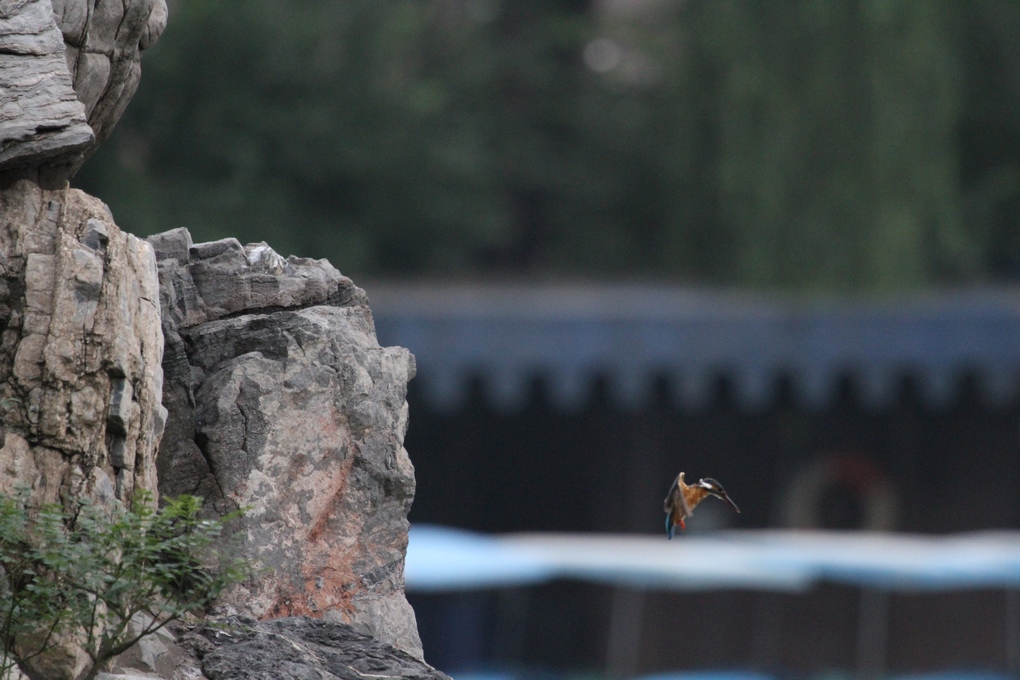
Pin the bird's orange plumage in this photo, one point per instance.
(683, 498)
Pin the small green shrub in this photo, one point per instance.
(87, 573)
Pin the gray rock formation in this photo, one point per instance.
(278, 397)
(67, 70)
(299, 648)
(281, 401)
(42, 123)
(80, 349)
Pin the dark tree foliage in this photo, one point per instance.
(814, 144)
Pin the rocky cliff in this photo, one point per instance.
(215, 369)
(281, 401)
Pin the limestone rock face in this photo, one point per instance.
(300, 648)
(80, 349)
(67, 70)
(281, 401)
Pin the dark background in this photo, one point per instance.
(954, 468)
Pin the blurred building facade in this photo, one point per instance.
(572, 409)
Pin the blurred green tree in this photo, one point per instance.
(819, 144)
(834, 127)
(346, 130)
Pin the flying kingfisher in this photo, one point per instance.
(682, 499)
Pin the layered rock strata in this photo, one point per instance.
(282, 402)
(67, 71)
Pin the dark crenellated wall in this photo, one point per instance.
(604, 465)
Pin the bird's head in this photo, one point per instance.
(716, 489)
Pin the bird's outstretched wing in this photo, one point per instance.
(675, 497)
(675, 506)
(667, 504)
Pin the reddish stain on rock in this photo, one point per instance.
(333, 508)
(299, 413)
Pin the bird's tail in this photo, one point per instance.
(669, 528)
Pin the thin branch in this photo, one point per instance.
(46, 641)
(92, 621)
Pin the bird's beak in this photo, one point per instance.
(726, 497)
